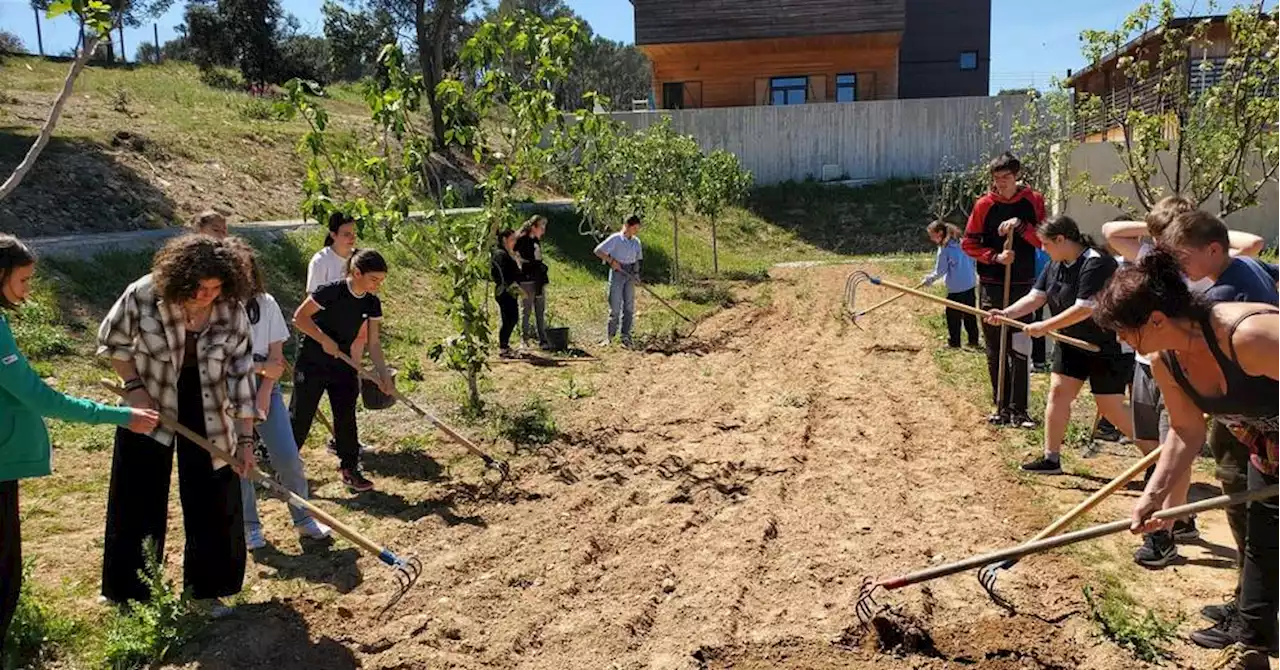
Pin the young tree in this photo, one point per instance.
(95, 15)
(595, 159)
(1205, 129)
(721, 183)
(667, 176)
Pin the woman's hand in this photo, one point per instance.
(143, 421)
(1141, 521)
(993, 317)
(140, 399)
(272, 368)
(1008, 225)
(264, 407)
(1036, 329)
(244, 461)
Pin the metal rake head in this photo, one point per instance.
(867, 607)
(851, 293)
(987, 576)
(407, 572)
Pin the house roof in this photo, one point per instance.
(1145, 37)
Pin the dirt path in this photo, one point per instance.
(718, 507)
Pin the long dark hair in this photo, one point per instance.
(1137, 290)
(183, 261)
(502, 237)
(1065, 226)
(254, 279)
(13, 255)
(366, 260)
(336, 221)
(526, 228)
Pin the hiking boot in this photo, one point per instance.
(1043, 466)
(1184, 530)
(313, 530)
(1158, 550)
(1226, 633)
(506, 352)
(355, 480)
(1107, 432)
(1020, 419)
(1219, 613)
(253, 539)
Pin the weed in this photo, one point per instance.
(120, 100)
(145, 633)
(222, 78)
(413, 370)
(38, 332)
(1122, 621)
(575, 391)
(38, 633)
(257, 109)
(531, 424)
(750, 276)
(710, 294)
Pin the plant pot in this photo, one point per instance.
(558, 339)
(373, 396)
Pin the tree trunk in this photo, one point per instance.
(431, 57)
(47, 130)
(124, 57)
(675, 247)
(715, 255)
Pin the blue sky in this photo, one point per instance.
(1031, 40)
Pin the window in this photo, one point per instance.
(673, 95)
(788, 90)
(846, 87)
(968, 60)
(1205, 73)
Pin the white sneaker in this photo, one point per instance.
(253, 539)
(313, 530)
(215, 607)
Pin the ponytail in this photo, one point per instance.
(949, 231)
(1065, 226)
(1135, 291)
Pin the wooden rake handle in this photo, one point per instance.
(1065, 339)
(884, 302)
(254, 474)
(1092, 533)
(655, 295)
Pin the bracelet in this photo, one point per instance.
(134, 384)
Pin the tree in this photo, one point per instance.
(1205, 130)
(667, 175)
(721, 183)
(304, 57)
(595, 159)
(95, 15)
(254, 28)
(207, 36)
(356, 39)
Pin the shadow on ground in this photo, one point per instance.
(319, 563)
(266, 636)
(77, 186)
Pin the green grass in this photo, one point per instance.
(40, 633)
(878, 218)
(1120, 619)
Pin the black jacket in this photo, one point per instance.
(982, 240)
(530, 251)
(503, 270)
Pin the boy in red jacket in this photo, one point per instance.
(1008, 207)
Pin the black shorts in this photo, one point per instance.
(1107, 373)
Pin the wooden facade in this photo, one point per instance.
(684, 21)
(740, 72)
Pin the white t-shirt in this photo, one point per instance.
(1198, 286)
(326, 267)
(270, 328)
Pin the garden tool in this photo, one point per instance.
(988, 574)
(1004, 329)
(880, 304)
(636, 279)
(866, 606)
(407, 570)
(489, 461)
(859, 276)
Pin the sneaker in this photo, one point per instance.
(1043, 466)
(215, 608)
(604, 343)
(1000, 418)
(1040, 368)
(1107, 432)
(506, 352)
(1020, 419)
(253, 539)
(1226, 633)
(1158, 550)
(313, 530)
(355, 480)
(332, 447)
(1185, 530)
(1219, 613)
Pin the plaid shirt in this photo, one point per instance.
(143, 328)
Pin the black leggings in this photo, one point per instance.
(1017, 381)
(955, 318)
(312, 378)
(1258, 576)
(138, 508)
(509, 308)
(10, 555)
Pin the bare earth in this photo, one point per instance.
(711, 507)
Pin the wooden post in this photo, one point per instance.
(155, 30)
(39, 36)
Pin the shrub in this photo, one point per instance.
(145, 633)
(531, 424)
(222, 78)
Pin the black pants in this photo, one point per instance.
(138, 508)
(955, 318)
(10, 556)
(312, 378)
(1258, 588)
(1039, 344)
(1232, 471)
(1016, 380)
(509, 309)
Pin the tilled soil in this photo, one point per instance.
(717, 506)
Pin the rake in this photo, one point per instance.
(641, 284)
(861, 313)
(859, 276)
(1001, 373)
(406, 570)
(989, 573)
(489, 462)
(866, 606)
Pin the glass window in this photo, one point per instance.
(968, 60)
(788, 90)
(846, 87)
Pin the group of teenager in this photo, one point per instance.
(1184, 320)
(198, 341)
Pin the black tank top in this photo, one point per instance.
(1248, 408)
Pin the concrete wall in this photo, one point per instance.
(864, 140)
(1100, 160)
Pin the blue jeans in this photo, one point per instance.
(277, 434)
(622, 301)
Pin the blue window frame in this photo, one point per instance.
(846, 87)
(968, 60)
(788, 90)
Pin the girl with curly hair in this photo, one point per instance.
(180, 339)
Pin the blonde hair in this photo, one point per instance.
(1164, 212)
(950, 231)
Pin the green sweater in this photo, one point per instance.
(24, 400)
